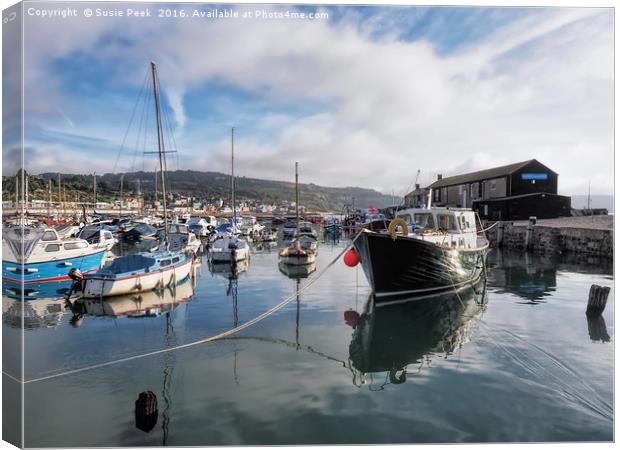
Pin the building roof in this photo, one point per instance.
(485, 174)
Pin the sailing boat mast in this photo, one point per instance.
(160, 143)
(232, 177)
(297, 199)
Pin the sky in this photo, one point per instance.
(365, 97)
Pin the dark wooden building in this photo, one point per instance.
(513, 192)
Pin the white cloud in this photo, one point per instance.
(541, 87)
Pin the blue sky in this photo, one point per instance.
(366, 97)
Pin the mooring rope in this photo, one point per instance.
(216, 337)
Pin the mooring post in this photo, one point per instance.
(500, 234)
(597, 300)
(529, 234)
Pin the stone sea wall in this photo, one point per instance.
(552, 240)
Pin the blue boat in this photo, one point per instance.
(44, 256)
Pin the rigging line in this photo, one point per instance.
(135, 106)
(168, 123)
(139, 131)
(216, 337)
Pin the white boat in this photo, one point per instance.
(250, 227)
(225, 245)
(228, 247)
(36, 254)
(180, 238)
(200, 226)
(98, 237)
(139, 272)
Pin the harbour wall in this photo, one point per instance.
(552, 240)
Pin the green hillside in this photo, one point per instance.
(201, 185)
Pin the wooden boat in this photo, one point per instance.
(438, 250)
(295, 254)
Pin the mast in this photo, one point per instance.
(232, 177)
(95, 192)
(49, 198)
(16, 191)
(120, 212)
(297, 199)
(160, 142)
(59, 200)
(26, 193)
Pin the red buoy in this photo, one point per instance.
(351, 258)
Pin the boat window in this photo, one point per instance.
(52, 248)
(175, 259)
(49, 236)
(424, 220)
(164, 263)
(447, 222)
(73, 245)
(405, 217)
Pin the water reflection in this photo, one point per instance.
(531, 277)
(39, 313)
(144, 304)
(391, 338)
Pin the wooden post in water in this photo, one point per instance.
(597, 300)
(500, 234)
(529, 234)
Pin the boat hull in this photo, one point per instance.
(56, 270)
(230, 255)
(409, 267)
(95, 286)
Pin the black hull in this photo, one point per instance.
(409, 267)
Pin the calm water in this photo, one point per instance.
(519, 362)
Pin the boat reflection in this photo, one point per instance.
(297, 272)
(390, 338)
(29, 291)
(36, 313)
(143, 304)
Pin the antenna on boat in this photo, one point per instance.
(160, 148)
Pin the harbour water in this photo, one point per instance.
(516, 361)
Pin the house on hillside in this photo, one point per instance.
(512, 192)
